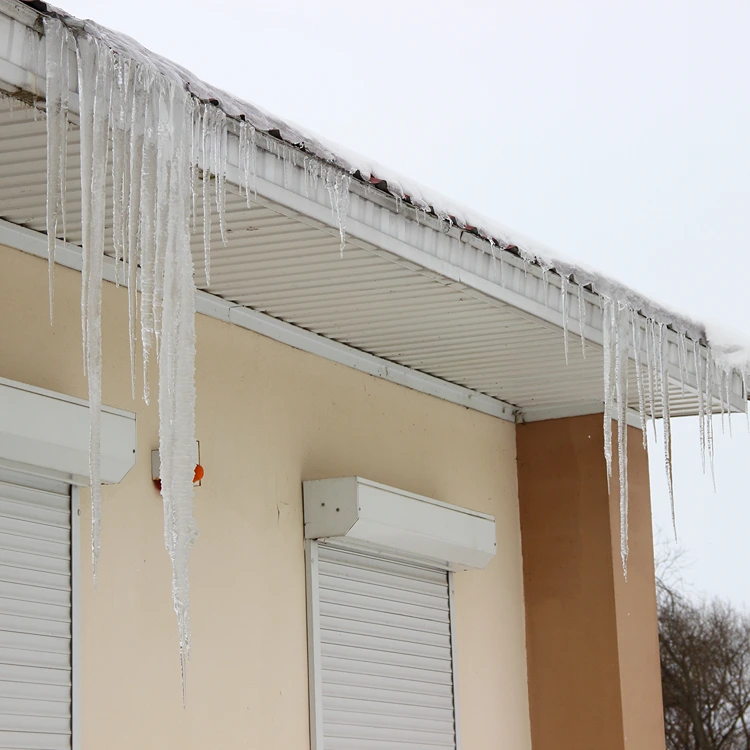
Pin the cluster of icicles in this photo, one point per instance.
(165, 151)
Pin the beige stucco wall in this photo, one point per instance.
(268, 417)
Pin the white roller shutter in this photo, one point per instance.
(35, 613)
(385, 654)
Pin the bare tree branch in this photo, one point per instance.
(705, 666)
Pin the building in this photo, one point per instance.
(460, 585)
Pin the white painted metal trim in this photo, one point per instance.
(454, 662)
(314, 678)
(69, 256)
(77, 665)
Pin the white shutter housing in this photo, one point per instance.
(364, 513)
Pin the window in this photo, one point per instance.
(381, 652)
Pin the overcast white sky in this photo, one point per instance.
(617, 133)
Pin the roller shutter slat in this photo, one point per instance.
(410, 633)
(36, 691)
(35, 741)
(351, 703)
(34, 675)
(367, 603)
(350, 675)
(374, 618)
(38, 578)
(14, 542)
(26, 511)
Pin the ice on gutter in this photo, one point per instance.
(163, 135)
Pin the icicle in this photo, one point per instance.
(728, 399)
(94, 251)
(564, 296)
(701, 411)
(147, 229)
(636, 323)
(208, 156)
(253, 158)
(220, 171)
(58, 85)
(242, 162)
(137, 131)
(582, 318)
(494, 259)
(608, 318)
(710, 412)
(683, 360)
(177, 371)
(117, 123)
(337, 184)
(651, 366)
(165, 92)
(621, 330)
(545, 287)
(287, 160)
(86, 58)
(663, 368)
(195, 128)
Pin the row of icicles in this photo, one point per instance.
(151, 135)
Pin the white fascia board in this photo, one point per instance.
(69, 255)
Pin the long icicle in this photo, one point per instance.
(636, 324)
(622, 330)
(564, 303)
(663, 368)
(147, 224)
(95, 253)
(582, 318)
(57, 78)
(607, 332)
(86, 54)
(177, 373)
(699, 379)
(651, 367)
(710, 412)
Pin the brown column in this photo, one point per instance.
(592, 646)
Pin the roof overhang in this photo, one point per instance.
(412, 297)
